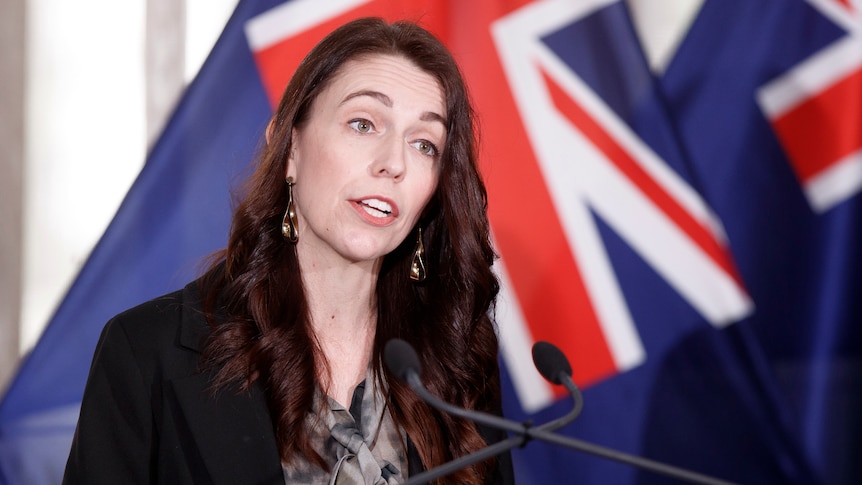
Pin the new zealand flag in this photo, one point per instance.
(689, 235)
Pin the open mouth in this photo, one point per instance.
(376, 207)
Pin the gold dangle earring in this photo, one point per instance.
(288, 223)
(417, 266)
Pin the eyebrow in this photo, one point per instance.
(387, 101)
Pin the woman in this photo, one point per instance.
(364, 221)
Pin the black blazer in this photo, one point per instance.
(148, 415)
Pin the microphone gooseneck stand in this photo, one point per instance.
(402, 359)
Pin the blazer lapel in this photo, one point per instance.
(231, 430)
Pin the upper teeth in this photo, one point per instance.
(378, 204)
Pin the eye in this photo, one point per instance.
(361, 125)
(425, 147)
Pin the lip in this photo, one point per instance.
(366, 210)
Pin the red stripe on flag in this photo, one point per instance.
(824, 129)
(277, 63)
(543, 272)
(617, 155)
(846, 4)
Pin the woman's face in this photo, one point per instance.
(366, 161)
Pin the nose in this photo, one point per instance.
(390, 160)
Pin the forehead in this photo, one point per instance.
(397, 77)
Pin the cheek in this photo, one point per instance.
(432, 187)
(425, 190)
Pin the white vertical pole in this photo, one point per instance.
(12, 55)
(165, 61)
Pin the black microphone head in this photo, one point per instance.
(400, 357)
(550, 361)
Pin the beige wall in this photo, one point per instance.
(12, 51)
(85, 87)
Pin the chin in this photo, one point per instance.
(366, 251)
(359, 252)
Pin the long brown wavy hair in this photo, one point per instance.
(264, 333)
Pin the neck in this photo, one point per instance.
(343, 310)
(340, 299)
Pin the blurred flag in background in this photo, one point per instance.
(688, 235)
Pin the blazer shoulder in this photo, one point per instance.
(164, 327)
(157, 319)
(165, 307)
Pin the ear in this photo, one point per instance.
(269, 128)
(290, 169)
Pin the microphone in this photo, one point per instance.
(555, 368)
(402, 360)
(551, 362)
(404, 363)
